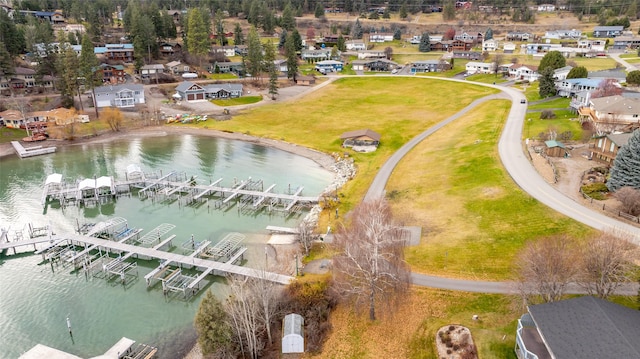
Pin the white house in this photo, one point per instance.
(355, 45)
(152, 69)
(292, 334)
(177, 68)
(524, 72)
(371, 54)
(561, 73)
(546, 8)
(509, 47)
(474, 67)
(120, 96)
(595, 45)
(563, 34)
(380, 37)
(490, 45)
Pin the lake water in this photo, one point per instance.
(36, 298)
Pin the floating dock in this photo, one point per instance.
(24, 152)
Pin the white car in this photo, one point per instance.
(394, 71)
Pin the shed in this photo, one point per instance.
(292, 334)
(364, 137)
(54, 181)
(555, 149)
(305, 80)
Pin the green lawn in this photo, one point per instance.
(224, 76)
(11, 134)
(244, 100)
(595, 63)
(487, 78)
(474, 218)
(562, 102)
(565, 121)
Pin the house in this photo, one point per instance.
(119, 52)
(170, 49)
(111, 74)
(281, 65)
(429, 66)
(524, 72)
(151, 70)
(555, 149)
(509, 47)
(374, 65)
(595, 45)
(235, 67)
(121, 96)
(227, 51)
(380, 37)
(540, 49)
(316, 55)
(13, 119)
(546, 8)
(21, 79)
(468, 36)
(607, 31)
(415, 40)
(223, 91)
(371, 54)
(330, 65)
(53, 17)
(563, 34)
(177, 67)
(611, 113)
(519, 36)
(561, 73)
(305, 80)
(355, 45)
(60, 116)
(175, 15)
(570, 87)
(626, 42)
(190, 91)
(474, 67)
(360, 138)
(584, 327)
(460, 45)
(490, 45)
(292, 334)
(470, 55)
(241, 50)
(605, 148)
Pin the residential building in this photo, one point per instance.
(540, 49)
(546, 8)
(281, 65)
(519, 36)
(380, 37)
(595, 45)
(571, 87)
(612, 113)
(364, 137)
(121, 96)
(626, 42)
(23, 80)
(116, 52)
(470, 55)
(371, 54)
(584, 327)
(619, 75)
(177, 67)
(468, 36)
(429, 66)
(607, 31)
(509, 47)
(53, 17)
(561, 73)
(605, 148)
(524, 72)
(227, 51)
(111, 74)
(235, 67)
(563, 34)
(151, 70)
(490, 45)
(374, 65)
(241, 50)
(170, 49)
(175, 15)
(355, 45)
(473, 67)
(316, 55)
(192, 92)
(330, 65)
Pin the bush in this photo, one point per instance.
(547, 115)
(596, 191)
(629, 198)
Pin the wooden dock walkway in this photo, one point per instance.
(24, 152)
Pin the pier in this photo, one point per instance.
(24, 152)
(248, 195)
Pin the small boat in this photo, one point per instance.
(35, 137)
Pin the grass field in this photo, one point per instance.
(11, 134)
(595, 64)
(555, 103)
(385, 107)
(244, 100)
(474, 218)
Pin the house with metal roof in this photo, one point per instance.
(121, 96)
(607, 31)
(578, 328)
(570, 87)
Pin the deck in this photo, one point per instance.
(24, 152)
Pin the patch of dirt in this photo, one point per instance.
(455, 342)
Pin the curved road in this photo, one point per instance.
(523, 173)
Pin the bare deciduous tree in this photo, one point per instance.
(114, 118)
(267, 293)
(305, 236)
(545, 268)
(606, 263)
(243, 310)
(370, 268)
(629, 198)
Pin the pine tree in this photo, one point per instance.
(197, 33)
(269, 57)
(88, 64)
(288, 21)
(403, 11)
(387, 13)
(292, 57)
(357, 30)
(254, 58)
(633, 78)
(578, 72)
(67, 65)
(425, 43)
(449, 11)
(342, 46)
(319, 13)
(488, 35)
(626, 167)
(547, 83)
(238, 38)
(214, 332)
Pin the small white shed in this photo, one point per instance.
(292, 334)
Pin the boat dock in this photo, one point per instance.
(24, 152)
(248, 195)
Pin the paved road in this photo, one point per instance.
(616, 56)
(520, 169)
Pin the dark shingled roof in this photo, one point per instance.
(588, 328)
(358, 133)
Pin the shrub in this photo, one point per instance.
(629, 198)
(547, 115)
(595, 190)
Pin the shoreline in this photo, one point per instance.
(326, 161)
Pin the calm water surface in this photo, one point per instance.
(36, 298)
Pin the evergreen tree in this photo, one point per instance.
(10, 35)
(214, 332)
(67, 66)
(387, 13)
(220, 37)
(374, 16)
(553, 60)
(547, 83)
(319, 13)
(288, 22)
(292, 57)
(270, 68)
(633, 78)
(283, 39)
(238, 37)
(88, 65)
(357, 30)
(449, 11)
(198, 33)
(489, 34)
(397, 34)
(425, 43)
(403, 11)
(297, 39)
(578, 72)
(254, 58)
(626, 167)
(342, 46)
(6, 61)
(268, 22)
